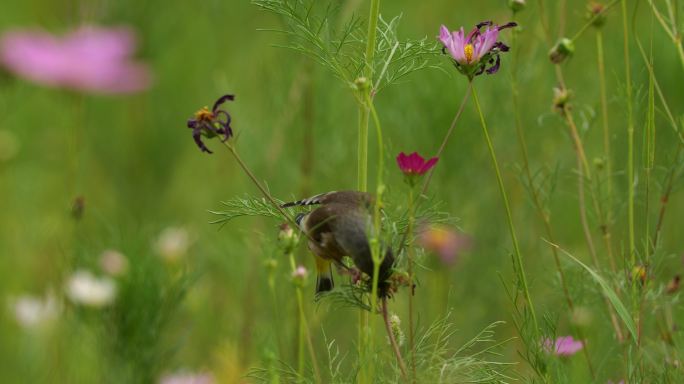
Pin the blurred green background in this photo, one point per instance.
(136, 167)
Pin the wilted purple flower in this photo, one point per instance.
(211, 123)
(563, 346)
(477, 52)
(89, 59)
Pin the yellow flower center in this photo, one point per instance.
(204, 114)
(468, 51)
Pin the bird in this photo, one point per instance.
(339, 227)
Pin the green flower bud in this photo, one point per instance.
(562, 50)
(516, 5)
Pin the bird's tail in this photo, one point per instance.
(324, 277)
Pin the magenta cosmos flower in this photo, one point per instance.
(477, 52)
(89, 59)
(563, 346)
(414, 165)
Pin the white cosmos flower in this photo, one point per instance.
(86, 289)
(33, 311)
(173, 243)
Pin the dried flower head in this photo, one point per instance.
(89, 59)
(211, 123)
(477, 52)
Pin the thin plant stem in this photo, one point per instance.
(411, 256)
(608, 219)
(630, 141)
(509, 216)
(393, 341)
(441, 149)
(536, 199)
(373, 17)
(591, 20)
(304, 336)
(446, 138)
(362, 183)
(582, 162)
(632, 257)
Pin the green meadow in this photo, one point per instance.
(129, 255)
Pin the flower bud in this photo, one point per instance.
(361, 83)
(561, 99)
(287, 238)
(639, 274)
(595, 13)
(599, 163)
(516, 5)
(299, 275)
(562, 50)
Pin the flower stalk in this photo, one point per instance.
(509, 216)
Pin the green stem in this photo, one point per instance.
(606, 150)
(630, 139)
(410, 252)
(630, 170)
(511, 226)
(393, 341)
(362, 182)
(535, 196)
(304, 336)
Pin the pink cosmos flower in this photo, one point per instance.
(476, 52)
(563, 346)
(89, 59)
(445, 242)
(187, 378)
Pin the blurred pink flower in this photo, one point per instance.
(445, 242)
(563, 346)
(187, 378)
(89, 59)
